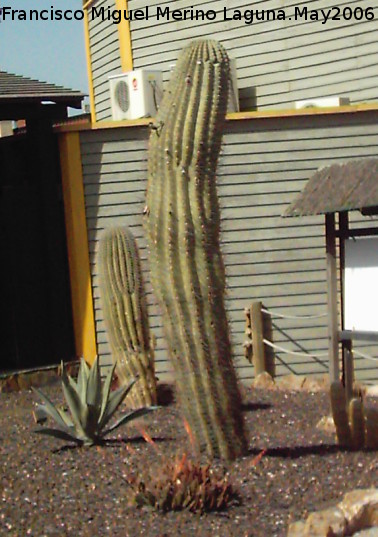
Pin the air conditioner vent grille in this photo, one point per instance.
(122, 95)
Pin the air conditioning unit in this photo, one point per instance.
(324, 102)
(135, 94)
(233, 96)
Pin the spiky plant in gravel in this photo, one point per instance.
(185, 485)
(91, 405)
(183, 226)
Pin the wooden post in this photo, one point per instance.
(343, 234)
(348, 370)
(248, 332)
(257, 338)
(333, 342)
(270, 361)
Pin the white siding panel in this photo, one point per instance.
(279, 62)
(105, 58)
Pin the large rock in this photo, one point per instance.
(360, 508)
(356, 514)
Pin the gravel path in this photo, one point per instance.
(52, 489)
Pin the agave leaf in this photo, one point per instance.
(74, 403)
(106, 391)
(91, 421)
(115, 399)
(94, 395)
(57, 433)
(50, 409)
(44, 411)
(130, 416)
(82, 380)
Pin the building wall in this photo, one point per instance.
(104, 58)
(278, 62)
(264, 163)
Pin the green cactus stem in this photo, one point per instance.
(125, 313)
(183, 226)
(357, 423)
(371, 417)
(340, 414)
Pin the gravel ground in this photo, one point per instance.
(49, 488)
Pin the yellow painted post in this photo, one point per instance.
(77, 243)
(124, 36)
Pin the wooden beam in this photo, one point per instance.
(77, 243)
(32, 110)
(356, 335)
(246, 116)
(364, 232)
(333, 343)
(124, 36)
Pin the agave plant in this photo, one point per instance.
(92, 405)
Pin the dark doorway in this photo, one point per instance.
(35, 304)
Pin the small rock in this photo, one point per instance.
(296, 529)
(291, 382)
(316, 383)
(370, 532)
(360, 508)
(330, 522)
(326, 424)
(264, 380)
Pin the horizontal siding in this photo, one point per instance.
(280, 261)
(278, 62)
(104, 57)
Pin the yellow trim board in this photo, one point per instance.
(77, 243)
(88, 4)
(124, 36)
(303, 111)
(237, 116)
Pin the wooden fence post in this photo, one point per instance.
(270, 359)
(258, 350)
(258, 326)
(248, 332)
(348, 369)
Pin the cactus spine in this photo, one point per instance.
(183, 227)
(125, 313)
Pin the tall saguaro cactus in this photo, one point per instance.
(125, 313)
(183, 226)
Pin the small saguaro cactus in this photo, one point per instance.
(183, 226)
(125, 313)
(356, 423)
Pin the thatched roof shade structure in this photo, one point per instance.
(340, 188)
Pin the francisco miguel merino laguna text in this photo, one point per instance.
(247, 15)
(115, 16)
